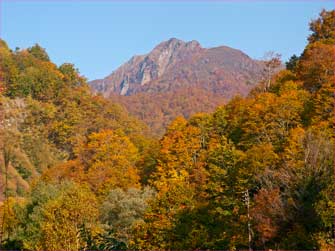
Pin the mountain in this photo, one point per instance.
(180, 74)
(174, 64)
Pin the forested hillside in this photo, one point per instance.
(79, 173)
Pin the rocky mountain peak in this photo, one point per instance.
(175, 63)
(174, 44)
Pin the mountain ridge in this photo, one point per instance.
(184, 64)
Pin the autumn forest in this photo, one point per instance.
(78, 171)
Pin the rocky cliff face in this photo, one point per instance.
(175, 63)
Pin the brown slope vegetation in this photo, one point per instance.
(157, 110)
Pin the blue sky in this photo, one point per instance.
(98, 36)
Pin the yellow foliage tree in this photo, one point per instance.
(109, 158)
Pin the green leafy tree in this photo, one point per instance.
(38, 52)
(55, 214)
(122, 210)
